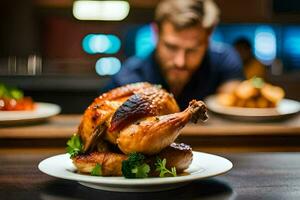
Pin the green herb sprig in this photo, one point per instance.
(74, 146)
(161, 168)
(97, 170)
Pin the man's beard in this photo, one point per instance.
(175, 74)
(177, 82)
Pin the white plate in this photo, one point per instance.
(41, 112)
(285, 108)
(204, 165)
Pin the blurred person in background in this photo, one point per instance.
(185, 62)
(251, 66)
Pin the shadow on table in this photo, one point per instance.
(205, 190)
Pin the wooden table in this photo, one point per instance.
(254, 176)
(215, 135)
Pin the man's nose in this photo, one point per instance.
(180, 59)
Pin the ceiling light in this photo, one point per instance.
(100, 10)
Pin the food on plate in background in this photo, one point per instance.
(253, 93)
(130, 131)
(12, 99)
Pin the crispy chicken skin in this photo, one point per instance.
(177, 155)
(111, 163)
(148, 102)
(120, 107)
(152, 101)
(102, 109)
(152, 134)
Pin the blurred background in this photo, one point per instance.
(59, 51)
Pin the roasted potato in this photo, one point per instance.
(253, 93)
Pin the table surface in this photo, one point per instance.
(216, 135)
(254, 176)
(63, 126)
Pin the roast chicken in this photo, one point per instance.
(137, 117)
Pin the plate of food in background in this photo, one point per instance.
(254, 100)
(17, 108)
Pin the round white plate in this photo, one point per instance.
(203, 166)
(285, 108)
(41, 111)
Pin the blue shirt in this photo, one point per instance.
(220, 64)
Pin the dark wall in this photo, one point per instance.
(19, 28)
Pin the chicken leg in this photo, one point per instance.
(152, 134)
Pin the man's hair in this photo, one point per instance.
(186, 13)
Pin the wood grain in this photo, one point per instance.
(268, 176)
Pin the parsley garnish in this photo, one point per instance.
(75, 145)
(161, 168)
(135, 167)
(97, 170)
